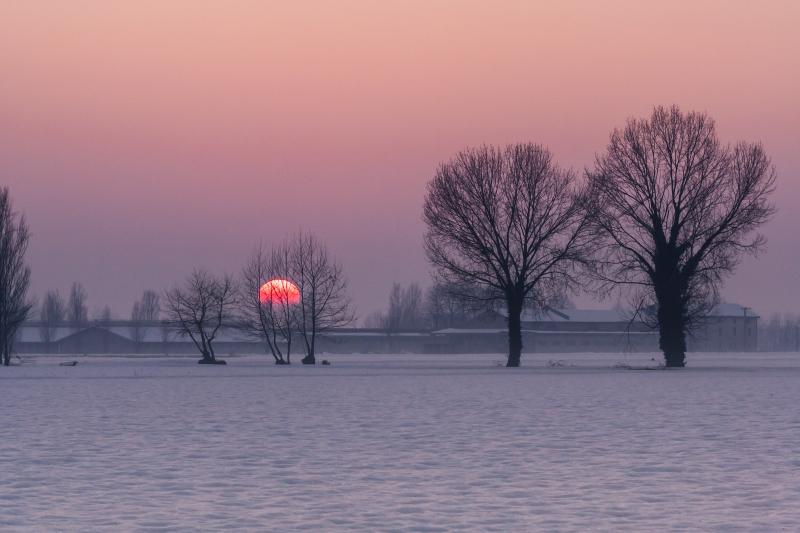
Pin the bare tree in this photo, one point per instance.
(144, 311)
(77, 310)
(411, 316)
(200, 309)
(103, 315)
(15, 274)
(405, 308)
(267, 316)
(375, 320)
(676, 210)
(508, 221)
(449, 305)
(324, 303)
(394, 315)
(780, 334)
(51, 314)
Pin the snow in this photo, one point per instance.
(402, 443)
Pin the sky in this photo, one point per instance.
(145, 138)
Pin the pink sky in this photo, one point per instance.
(144, 138)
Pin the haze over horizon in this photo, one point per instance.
(144, 139)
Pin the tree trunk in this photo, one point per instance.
(672, 334)
(514, 331)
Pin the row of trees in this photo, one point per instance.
(780, 333)
(293, 291)
(440, 306)
(55, 311)
(666, 212)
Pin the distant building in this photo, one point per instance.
(728, 328)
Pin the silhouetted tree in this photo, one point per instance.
(77, 310)
(509, 221)
(51, 314)
(676, 210)
(324, 303)
(15, 274)
(272, 317)
(200, 309)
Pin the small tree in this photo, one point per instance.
(150, 306)
(449, 305)
(51, 314)
(145, 310)
(405, 308)
(14, 274)
(268, 317)
(200, 309)
(77, 310)
(104, 315)
(510, 222)
(676, 210)
(324, 303)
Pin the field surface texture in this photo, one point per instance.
(402, 443)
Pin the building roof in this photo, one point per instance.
(733, 310)
(616, 315)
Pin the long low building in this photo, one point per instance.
(729, 327)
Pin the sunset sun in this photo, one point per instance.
(279, 291)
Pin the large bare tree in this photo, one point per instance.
(324, 303)
(509, 221)
(15, 274)
(677, 210)
(200, 309)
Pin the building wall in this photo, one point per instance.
(716, 334)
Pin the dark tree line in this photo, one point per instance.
(665, 214)
(780, 334)
(440, 306)
(308, 298)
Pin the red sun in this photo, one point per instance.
(279, 291)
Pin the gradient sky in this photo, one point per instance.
(143, 138)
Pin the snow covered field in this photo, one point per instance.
(402, 443)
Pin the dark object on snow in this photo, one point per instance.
(68, 363)
(212, 362)
(281, 362)
(308, 360)
(325, 362)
